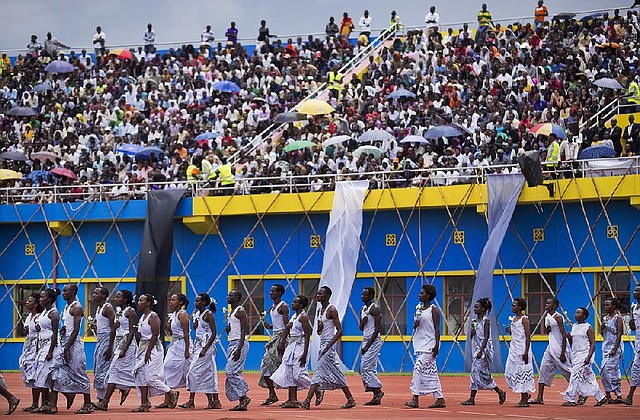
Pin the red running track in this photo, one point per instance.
(396, 390)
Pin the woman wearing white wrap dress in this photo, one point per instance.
(47, 345)
(235, 386)
(292, 372)
(123, 362)
(426, 344)
(557, 356)
(518, 372)
(611, 327)
(370, 324)
(149, 370)
(583, 381)
(103, 329)
(634, 324)
(27, 361)
(203, 372)
(178, 357)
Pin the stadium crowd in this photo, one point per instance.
(492, 84)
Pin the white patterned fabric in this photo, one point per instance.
(290, 373)
(517, 373)
(480, 368)
(583, 381)
(551, 359)
(425, 378)
(610, 366)
(235, 385)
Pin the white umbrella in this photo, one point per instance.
(375, 135)
(367, 150)
(414, 139)
(335, 140)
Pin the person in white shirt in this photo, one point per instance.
(99, 40)
(149, 39)
(365, 24)
(432, 19)
(206, 38)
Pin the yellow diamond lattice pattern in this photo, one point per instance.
(458, 237)
(29, 249)
(249, 242)
(314, 241)
(538, 235)
(612, 231)
(390, 239)
(101, 248)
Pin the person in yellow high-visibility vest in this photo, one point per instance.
(193, 172)
(227, 180)
(633, 94)
(394, 23)
(334, 80)
(208, 174)
(553, 153)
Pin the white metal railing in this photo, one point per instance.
(275, 129)
(293, 183)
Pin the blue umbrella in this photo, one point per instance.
(442, 131)
(146, 152)
(44, 86)
(13, 156)
(22, 111)
(206, 136)
(595, 152)
(33, 175)
(59, 66)
(608, 83)
(129, 149)
(226, 86)
(401, 93)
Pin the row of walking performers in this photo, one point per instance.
(129, 353)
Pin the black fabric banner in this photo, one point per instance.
(154, 262)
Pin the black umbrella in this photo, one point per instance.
(22, 111)
(287, 117)
(13, 156)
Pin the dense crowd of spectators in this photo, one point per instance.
(492, 84)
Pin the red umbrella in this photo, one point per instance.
(122, 53)
(64, 172)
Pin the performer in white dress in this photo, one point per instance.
(104, 330)
(426, 344)
(149, 368)
(370, 325)
(518, 372)
(69, 374)
(583, 381)
(611, 329)
(47, 347)
(292, 373)
(123, 362)
(634, 324)
(235, 386)
(272, 358)
(482, 353)
(328, 375)
(203, 372)
(557, 356)
(178, 357)
(28, 358)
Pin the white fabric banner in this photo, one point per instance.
(341, 249)
(609, 167)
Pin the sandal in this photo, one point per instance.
(470, 401)
(85, 409)
(411, 404)
(349, 404)
(31, 409)
(101, 405)
(568, 404)
(214, 405)
(271, 400)
(319, 397)
(537, 401)
(188, 405)
(522, 404)
(48, 409)
(438, 404)
(165, 404)
(290, 404)
(124, 393)
(502, 396)
(173, 400)
(618, 400)
(628, 401)
(601, 403)
(13, 405)
(306, 404)
(376, 400)
(144, 408)
(582, 400)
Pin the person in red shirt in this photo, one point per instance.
(346, 25)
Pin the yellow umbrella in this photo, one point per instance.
(9, 174)
(314, 107)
